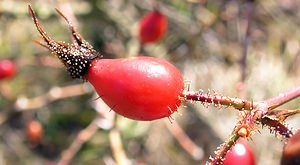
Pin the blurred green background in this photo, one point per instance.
(204, 40)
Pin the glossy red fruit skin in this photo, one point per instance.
(152, 27)
(291, 151)
(7, 69)
(240, 153)
(139, 88)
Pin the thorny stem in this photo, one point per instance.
(263, 114)
(223, 150)
(277, 127)
(240, 130)
(216, 99)
(276, 101)
(241, 104)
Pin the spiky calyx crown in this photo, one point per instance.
(76, 56)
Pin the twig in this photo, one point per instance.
(242, 104)
(224, 148)
(276, 101)
(186, 143)
(106, 121)
(262, 113)
(82, 137)
(245, 42)
(55, 93)
(117, 148)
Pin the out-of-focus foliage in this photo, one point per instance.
(204, 40)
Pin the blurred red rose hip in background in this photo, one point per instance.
(7, 69)
(34, 131)
(152, 27)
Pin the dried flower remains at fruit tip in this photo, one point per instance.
(76, 56)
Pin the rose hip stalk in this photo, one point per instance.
(140, 88)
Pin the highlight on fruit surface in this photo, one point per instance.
(152, 27)
(240, 153)
(7, 69)
(139, 88)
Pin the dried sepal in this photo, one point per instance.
(76, 56)
(281, 114)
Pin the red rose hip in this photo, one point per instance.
(7, 69)
(34, 131)
(240, 153)
(152, 27)
(291, 151)
(139, 88)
